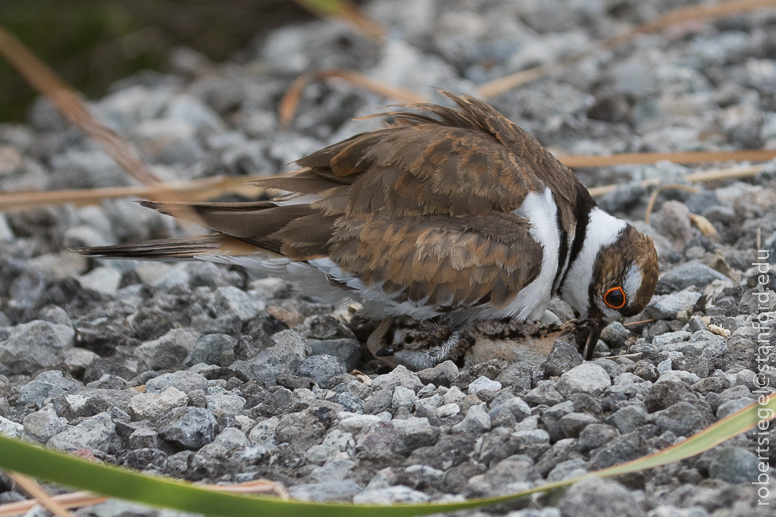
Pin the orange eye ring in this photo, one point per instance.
(615, 298)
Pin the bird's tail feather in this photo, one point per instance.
(175, 249)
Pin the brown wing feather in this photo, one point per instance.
(455, 262)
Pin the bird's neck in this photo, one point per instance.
(601, 231)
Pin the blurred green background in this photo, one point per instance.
(92, 43)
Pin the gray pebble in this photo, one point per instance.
(573, 423)
(595, 497)
(585, 378)
(628, 418)
(341, 490)
(692, 273)
(562, 358)
(672, 306)
(321, 368)
(97, 433)
(188, 427)
(33, 346)
(735, 465)
(347, 350)
(211, 349)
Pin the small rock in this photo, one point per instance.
(443, 374)
(210, 349)
(696, 323)
(673, 221)
(378, 441)
(232, 300)
(414, 432)
(672, 306)
(55, 315)
(168, 351)
(263, 433)
(321, 368)
(227, 402)
(545, 393)
(334, 470)
(562, 358)
(483, 383)
(399, 376)
(104, 280)
(188, 427)
(10, 428)
(403, 397)
(152, 406)
(33, 346)
(586, 378)
(596, 497)
(519, 376)
(719, 214)
(42, 425)
(628, 418)
(573, 423)
(735, 465)
(509, 413)
(476, 420)
(390, 495)
(337, 445)
(618, 450)
(355, 423)
(343, 490)
(595, 435)
(733, 406)
(692, 273)
(97, 433)
(532, 442)
(45, 386)
(347, 350)
(616, 335)
(568, 469)
(185, 381)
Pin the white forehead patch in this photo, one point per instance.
(632, 283)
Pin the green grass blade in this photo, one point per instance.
(163, 492)
(327, 7)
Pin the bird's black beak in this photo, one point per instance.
(587, 333)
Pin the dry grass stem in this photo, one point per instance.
(584, 161)
(84, 498)
(71, 500)
(198, 190)
(682, 14)
(43, 79)
(259, 486)
(633, 323)
(41, 496)
(290, 101)
(661, 188)
(704, 225)
(712, 175)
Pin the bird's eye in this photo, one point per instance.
(615, 298)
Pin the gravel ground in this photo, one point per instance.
(245, 378)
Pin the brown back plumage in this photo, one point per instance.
(422, 210)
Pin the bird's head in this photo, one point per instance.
(614, 277)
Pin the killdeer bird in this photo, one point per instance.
(453, 214)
